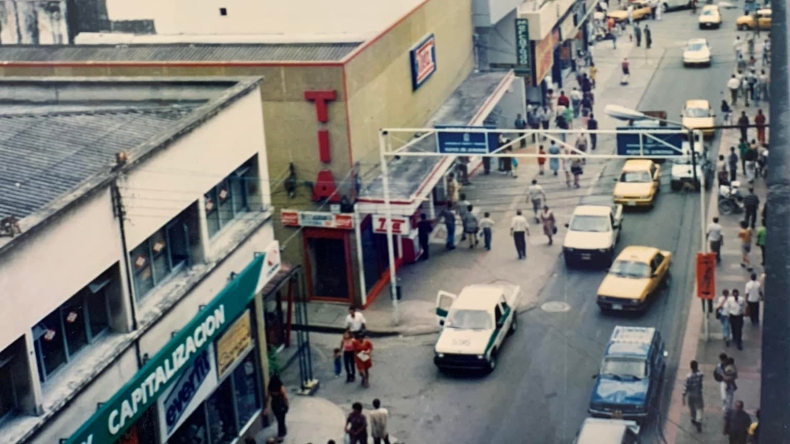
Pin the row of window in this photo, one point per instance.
(85, 317)
(167, 251)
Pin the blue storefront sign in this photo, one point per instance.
(423, 61)
(465, 143)
(648, 144)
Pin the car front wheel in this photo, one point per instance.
(492, 361)
(743, 27)
(513, 325)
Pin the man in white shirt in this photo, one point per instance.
(733, 85)
(754, 294)
(736, 307)
(519, 230)
(378, 423)
(715, 238)
(537, 196)
(355, 321)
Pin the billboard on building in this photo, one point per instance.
(423, 61)
(544, 55)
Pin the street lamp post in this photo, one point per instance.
(622, 113)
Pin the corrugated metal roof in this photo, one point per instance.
(280, 52)
(44, 156)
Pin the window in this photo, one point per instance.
(71, 327)
(245, 387)
(8, 400)
(228, 199)
(221, 414)
(498, 314)
(164, 253)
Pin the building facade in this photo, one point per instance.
(146, 204)
(326, 95)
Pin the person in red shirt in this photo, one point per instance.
(759, 121)
(563, 100)
(625, 65)
(541, 159)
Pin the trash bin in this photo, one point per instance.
(398, 292)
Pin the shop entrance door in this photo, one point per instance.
(329, 276)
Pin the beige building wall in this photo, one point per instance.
(379, 78)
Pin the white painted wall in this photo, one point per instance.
(42, 273)
(176, 177)
(489, 12)
(358, 17)
(208, 289)
(81, 409)
(501, 40)
(543, 20)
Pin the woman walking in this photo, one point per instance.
(549, 227)
(363, 348)
(554, 162)
(278, 400)
(347, 345)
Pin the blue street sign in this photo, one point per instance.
(466, 143)
(636, 144)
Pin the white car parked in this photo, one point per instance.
(697, 52)
(474, 325)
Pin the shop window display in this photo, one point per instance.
(220, 411)
(245, 389)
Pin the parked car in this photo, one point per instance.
(761, 18)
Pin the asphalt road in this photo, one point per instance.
(540, 390)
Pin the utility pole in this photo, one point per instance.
(775, 393)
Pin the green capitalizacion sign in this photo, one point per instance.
(523, 56)
(122, 410)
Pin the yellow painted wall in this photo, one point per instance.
(290, 122)
(379, 78)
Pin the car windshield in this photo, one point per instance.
(469, 320)
(707, 12)
(591, 224)
(683, 161)
(696, 46)
(697, 112)
(635, 177)
(630, 269)
(624, 367)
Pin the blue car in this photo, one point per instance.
(629, 381)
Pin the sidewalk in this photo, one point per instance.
(502, 195)
(729, 275)
(309, 420)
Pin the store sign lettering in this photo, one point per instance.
(423, 61)
(121, 411)
(187, 385)
(157, 380)
(400, 225)
(318, 219)
(321, 99)
(523, 56)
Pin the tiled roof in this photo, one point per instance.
(280, 52)
(44, 156)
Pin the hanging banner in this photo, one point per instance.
(706, 275)
(544, 55)
(523, 54)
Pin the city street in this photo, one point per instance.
(542, 383)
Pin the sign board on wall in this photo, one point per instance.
(544, 55)
(423, 61)
(234, 343)
(706, 276)
(568, 28)
(318, 219)
(194, 385)
(465, 143)
(125, 407)
(400, 225)
(523, 55)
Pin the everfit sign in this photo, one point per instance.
(423, 61)
(400, 225)
(115, 416)
(196, 383)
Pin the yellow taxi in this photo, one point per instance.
(697, 114)
(710, 17)
(636, 275)
(638, 184)
(641, 12)
(761, 18)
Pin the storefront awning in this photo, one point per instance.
(413, 178)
